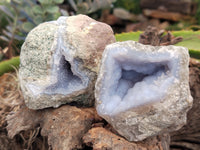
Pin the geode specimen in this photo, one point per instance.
(59, 61)
(143, 90)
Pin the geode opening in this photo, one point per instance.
(134, 78)
(130, 77)
(65, 79)
(59, 61)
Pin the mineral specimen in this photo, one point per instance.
(143, 90)
(59, 61)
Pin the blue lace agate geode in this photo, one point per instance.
(59, 61)
(143, 90)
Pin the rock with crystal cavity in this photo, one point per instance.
(59, 61)
(143, 90)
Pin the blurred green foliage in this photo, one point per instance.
(198, 12)
(178, 26)
(9, 65)
(23, 15)
(18, 17)
(132, 6)
(89, 6)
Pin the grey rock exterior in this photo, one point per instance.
(143, 90)
(59, 61)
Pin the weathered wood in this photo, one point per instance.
(152, 36)
(174, 16)
(100, 139)
(181, 6)
(64, 126)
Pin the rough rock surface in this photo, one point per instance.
(100, 139)
(143, 90)
(59, 60)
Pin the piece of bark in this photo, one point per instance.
(173, 16)
(169, 39)
(153, 36)
(150, 36)
(66, 126)
(181, 6)
(22, 120)
(9, 98)
(8, 144)
(4, 111)
(100, 139)
(63, 126)
(188, 137)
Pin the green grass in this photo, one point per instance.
(191, 40)
(8, 65)
(128, 36)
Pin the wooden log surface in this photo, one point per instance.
(159, 14)
(180, 6)
(99, 138)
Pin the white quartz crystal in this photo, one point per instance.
(59, 60)
(143, 90)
